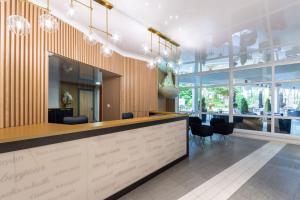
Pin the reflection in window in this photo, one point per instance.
(287, 126)
(287, 99)
(253, 123)
(253, 75)
(251, 44)
(287, 72)
(215, 79)
(189, 81)
(252, 99)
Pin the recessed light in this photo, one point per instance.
(146, 3)
(176, 17)
(159, 6)
(166, 22)
(171, 17)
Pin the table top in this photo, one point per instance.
(44, 130)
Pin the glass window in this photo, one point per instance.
(251, 43)
(287, 126)
(287, 72)
(216, 99)
(253, 75)
(187, 68)
(211, 79)
(287, 99)
(252, 99)
(253, 123)
(188, 81)
(186, 99)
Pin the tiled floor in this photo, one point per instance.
(278, 178)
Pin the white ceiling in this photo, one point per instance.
(190, 23)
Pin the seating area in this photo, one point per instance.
(217, 126)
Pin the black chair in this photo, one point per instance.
(221, 127)
(198, 129)
(75, 120)
(128, 115)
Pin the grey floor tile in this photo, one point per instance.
(205, 161)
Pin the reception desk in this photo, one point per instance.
(88, 162)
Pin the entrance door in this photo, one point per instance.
(86, 105)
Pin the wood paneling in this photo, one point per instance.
(24, 69)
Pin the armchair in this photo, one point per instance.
(221, 127)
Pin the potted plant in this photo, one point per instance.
(268, 106)
(244, 106)
(204, 109)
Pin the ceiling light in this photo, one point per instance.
(146, 49)
(106, 50)
(90, 38)
(115, 37)
(71, 10)
(166, 22)
(166, 53)
(18, 25)
(171, 17)
(179, 62)
(158, 60)
(159, 6)
(176, 17)
(151, 64)
(147, 3)
(48, 23)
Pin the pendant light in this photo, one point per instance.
(17, 24)
(71, 10)
(158, 59)
(151, 63)
(105, 49)
(47, 22)
(90, 37)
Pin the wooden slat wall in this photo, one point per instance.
(24, 69)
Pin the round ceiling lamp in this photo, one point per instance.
(90, 38)
(106, 50)
(71, 10)
(17, 24)
(47, 22)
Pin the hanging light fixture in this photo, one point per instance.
(151, 63)
(158, 59)
(105, 49)
(71, 10)
(47, 22)
(17, 23)
(90, 37)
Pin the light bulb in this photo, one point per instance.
(179, 62)
(116, 37)
(48, 23)
(158, 60)
(146, 49)
(166, 53)
(90, 38)
(106, 50)
(151, 64)
(71, 11)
